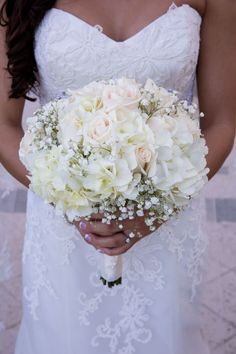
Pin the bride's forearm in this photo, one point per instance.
(220, 140)
(10, 137)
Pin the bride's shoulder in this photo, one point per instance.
(221, 11)
(213, 6)
(225, 7)
(217, 9)
(199, 5)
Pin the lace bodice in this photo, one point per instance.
(70, 53)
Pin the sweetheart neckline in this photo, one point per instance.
(172, 8)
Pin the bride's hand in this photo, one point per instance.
(112, 239)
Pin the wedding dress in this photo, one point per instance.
(66, 309)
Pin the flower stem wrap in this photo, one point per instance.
(111, 270)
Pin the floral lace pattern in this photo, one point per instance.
(5, 271)
(162, 271)
(92, 50)
(5, 264)
(91, 305)
(142, 264)
(189, 243)
(130, 326)
(34, 249)
(7, 183)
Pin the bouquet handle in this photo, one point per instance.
(111, 270)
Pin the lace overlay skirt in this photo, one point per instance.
(155, 310)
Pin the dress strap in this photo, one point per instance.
(173, 6)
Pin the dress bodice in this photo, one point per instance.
(70, 53)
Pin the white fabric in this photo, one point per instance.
(66, 308)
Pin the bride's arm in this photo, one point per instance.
(11, 111)
(217, 80)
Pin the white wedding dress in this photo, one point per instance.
(66, 309)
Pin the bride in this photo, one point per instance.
(50, 46)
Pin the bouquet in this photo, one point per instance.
(119, 149)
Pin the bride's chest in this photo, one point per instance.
(70, 53)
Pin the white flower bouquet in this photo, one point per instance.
(119, 149)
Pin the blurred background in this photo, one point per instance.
(219, 299)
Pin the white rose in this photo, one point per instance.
(143, 155)
(130, 87)
(93, 89)
(125, 93)
(100, 129)
(90, 104)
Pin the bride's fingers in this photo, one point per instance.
(97, 227)
(102, 229)
(96, 217)
(119, 250)
(115, 241)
